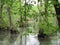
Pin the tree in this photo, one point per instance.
(10, 2)
(1, 9)
(57, 9)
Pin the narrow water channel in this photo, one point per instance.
(7, 38)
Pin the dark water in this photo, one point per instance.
(6, 38)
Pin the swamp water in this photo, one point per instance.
(6, 38)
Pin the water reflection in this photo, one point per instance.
(13, 38)
(4, 37)
(32, 40)
(45, 42)
(7, 38)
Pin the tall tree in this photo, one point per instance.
(1, 9)
(57, 9)
(10, 2)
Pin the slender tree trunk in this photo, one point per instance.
(21, 19)
(10, 18)
(25, 23)
(46, 11)
(1, 18)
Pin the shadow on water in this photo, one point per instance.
(7, 38)
(46, 41)
(13, 37)
(3, 34)
(4, 37)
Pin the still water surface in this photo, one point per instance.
(6, 38)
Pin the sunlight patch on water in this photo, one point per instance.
(32, 40)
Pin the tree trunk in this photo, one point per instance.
(57, 9)
(1, 18)
(10, 19)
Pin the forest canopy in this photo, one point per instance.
(40, 14)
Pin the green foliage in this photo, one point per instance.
(46, 20)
